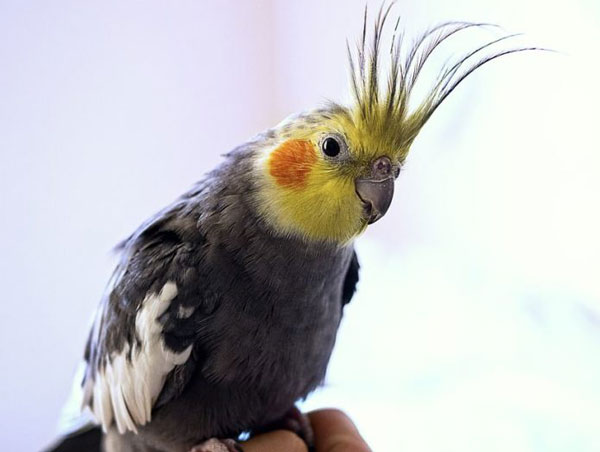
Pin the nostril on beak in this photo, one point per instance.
(382, 167)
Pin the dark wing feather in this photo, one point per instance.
(351, 280)
(142, 349)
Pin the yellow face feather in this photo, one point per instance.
(308, 193)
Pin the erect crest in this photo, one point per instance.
(383, 109)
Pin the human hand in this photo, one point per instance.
(333, 430)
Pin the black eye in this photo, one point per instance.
(331, 147)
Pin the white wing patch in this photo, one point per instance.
(126, 389)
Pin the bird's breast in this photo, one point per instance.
(279, 335)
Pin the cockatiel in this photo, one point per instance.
(224, 307)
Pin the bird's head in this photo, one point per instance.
(328, 173)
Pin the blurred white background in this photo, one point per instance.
(476, 325)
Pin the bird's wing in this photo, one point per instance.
(147, 324)
(350, 280)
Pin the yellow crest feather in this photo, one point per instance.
(384, 116)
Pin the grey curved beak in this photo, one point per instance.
(376, 196)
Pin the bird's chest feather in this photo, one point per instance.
(280, 336)
(278, 331)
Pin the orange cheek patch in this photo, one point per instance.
(291, 163)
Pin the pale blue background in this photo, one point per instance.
(476, 326)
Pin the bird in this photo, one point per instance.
(223, 309)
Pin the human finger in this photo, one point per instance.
(275, 441)
(335, 432)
